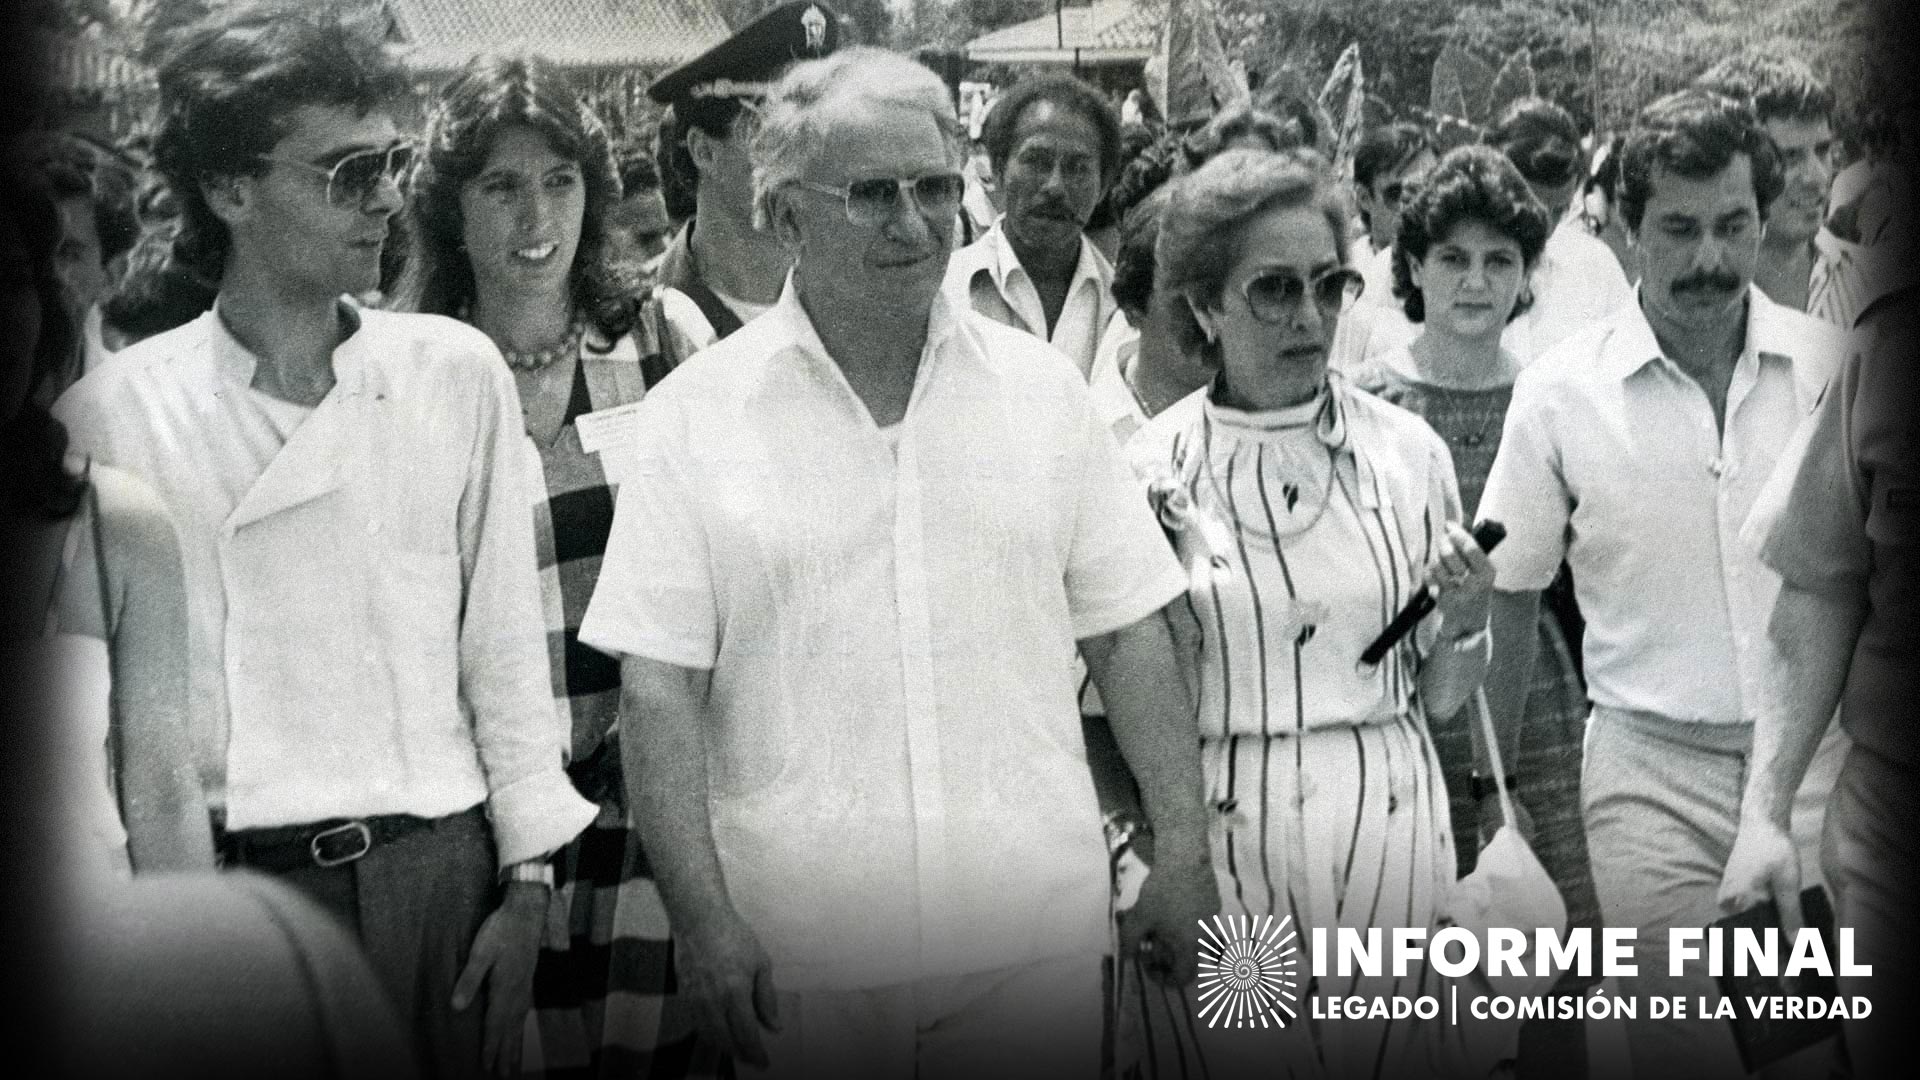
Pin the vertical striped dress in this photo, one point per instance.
(1304, 530)
(603, 985)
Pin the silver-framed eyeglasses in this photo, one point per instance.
(877, 199)
(354, 178)
(1272, 295)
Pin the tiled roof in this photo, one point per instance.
(443, 34)
(1104, 29)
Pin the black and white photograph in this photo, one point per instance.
(933, 539)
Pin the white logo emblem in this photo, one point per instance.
(1247, 970)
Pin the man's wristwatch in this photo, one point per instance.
(1481, 785)
(531, 872)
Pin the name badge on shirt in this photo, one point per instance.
(614, 434)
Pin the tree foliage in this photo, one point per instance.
(1645, 47)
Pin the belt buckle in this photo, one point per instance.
(359, 843)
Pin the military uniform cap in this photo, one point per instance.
(747, 64)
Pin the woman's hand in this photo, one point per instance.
(1461, 576)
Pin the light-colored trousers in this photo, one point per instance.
(1035, 1020)
(1661, 799)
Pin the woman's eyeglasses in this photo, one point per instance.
(872, 201)
(354, 178)
(1272, 295)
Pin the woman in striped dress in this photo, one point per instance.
(512, 202)
(1308, 512)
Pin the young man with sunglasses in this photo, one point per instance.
(720, 271)
(861, 539)
(368, 662)
(1387, 163)
(1577, 282)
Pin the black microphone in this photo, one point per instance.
(1488, 535)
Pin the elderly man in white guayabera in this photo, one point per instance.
(859, 542)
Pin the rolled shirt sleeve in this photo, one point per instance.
(503, 659)
(1527, 491)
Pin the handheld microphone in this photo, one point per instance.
(1488, 535)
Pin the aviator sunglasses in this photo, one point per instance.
(872, 201)
(1272, 295)
(355, 177)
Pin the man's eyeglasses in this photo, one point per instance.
(354, 178)
(1393, 191)
(872, 201)
(1272, 295)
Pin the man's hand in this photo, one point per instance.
(504, 952)
(1162, 929)
(1763, 865)
(728, 977)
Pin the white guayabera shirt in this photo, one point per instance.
(898, 784)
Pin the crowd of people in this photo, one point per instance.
(839, 594)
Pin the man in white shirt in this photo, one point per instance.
(1633, 452)
(351, 487)
(1387, 164)
(859, 543)
(720, 271)
(1054, 143)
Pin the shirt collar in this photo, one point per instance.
(1003, 264)
(1334, 418)
(796, 330)
(1632, 345)
(235, 362)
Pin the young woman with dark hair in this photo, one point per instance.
(1470, 237)
(513, 210)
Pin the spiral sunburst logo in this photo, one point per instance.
(1247, 969)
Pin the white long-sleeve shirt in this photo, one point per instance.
(365, 625)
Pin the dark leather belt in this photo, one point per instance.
(335, 842)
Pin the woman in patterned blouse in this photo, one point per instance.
(1308, 512)
(511, 208)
